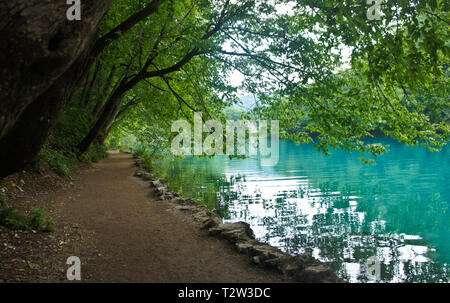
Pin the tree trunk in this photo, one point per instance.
(39, 45)
(43, 58)
(105, 92)
(103, 134)
(109, 113)
(86, 97)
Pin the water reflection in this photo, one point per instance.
(336, 209)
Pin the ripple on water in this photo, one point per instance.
(337, 209)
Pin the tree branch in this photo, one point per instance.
(125, 26)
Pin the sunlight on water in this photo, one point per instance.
(336, 209)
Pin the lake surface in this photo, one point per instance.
(337, 209)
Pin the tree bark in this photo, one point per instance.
(46, 57)
(105, 92)
(88, 92)
(38, 46)
(43, 59)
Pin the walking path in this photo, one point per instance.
(134, 237)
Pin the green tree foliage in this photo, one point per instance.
(179, 60)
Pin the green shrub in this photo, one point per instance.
(56, 160)
(17, 220)
(38, 219)
(140, 151)
(60, 152)
(95, 153)
(13, 219)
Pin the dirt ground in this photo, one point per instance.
(121, 233)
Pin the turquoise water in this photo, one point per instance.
(337, 209)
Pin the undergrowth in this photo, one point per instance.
(59, 153)
(36, 219)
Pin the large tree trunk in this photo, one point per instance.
(43, 58)
(103, 133)
(38, 45)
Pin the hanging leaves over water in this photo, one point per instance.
(292, 55)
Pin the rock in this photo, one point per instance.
(317, 274)
(184, 208)
(138, 173)
(143, 174)
(138, 162)
(178, 200)
(158, 183)
(183, 201)
(163, 181)
(286, 265)
(234, 232)
(267, 252)
(190, 202)
(214, 231)
(201, 215)
(301, 268)
(160, 191)
(168, 196)
(244, 247)
(211, 222)
(155, 184)
(147, 176)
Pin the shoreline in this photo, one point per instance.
(121, 232)
(300, 268)
(128, 229)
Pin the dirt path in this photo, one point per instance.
(127, 235)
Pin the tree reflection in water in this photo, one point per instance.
(336, 209)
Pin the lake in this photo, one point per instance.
(339, 210)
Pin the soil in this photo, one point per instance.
(119, 230)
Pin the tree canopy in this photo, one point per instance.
(292, 55)
(322, 67)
